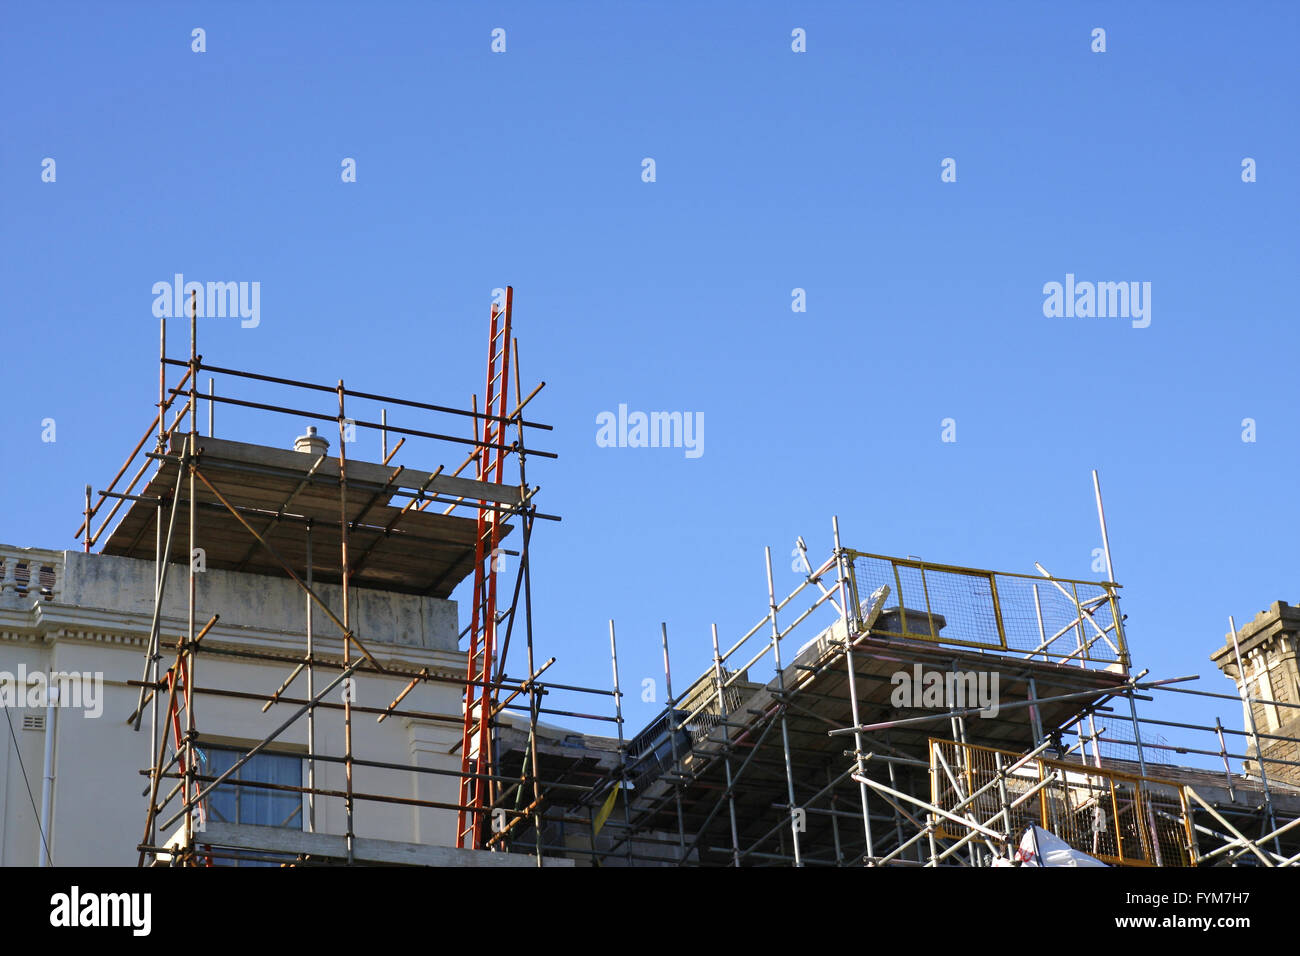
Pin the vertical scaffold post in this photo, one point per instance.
(858, 763)
(186, 661)
(726, 745)
(348, 692)
(311, 695)
(672, 736)
(795, 818)
(1243, 685)
(624, 782)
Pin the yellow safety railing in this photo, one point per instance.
(1117, 817)
(1061, 620)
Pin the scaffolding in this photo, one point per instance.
(341, 523)
(792, 748)
(819, 764)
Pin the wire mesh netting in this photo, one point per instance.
(1051, 619)
(1117, 741)
(703, 705)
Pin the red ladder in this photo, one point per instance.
(480, 696)
(178, 687)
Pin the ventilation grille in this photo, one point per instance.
(34, 722)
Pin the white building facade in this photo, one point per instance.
(75, 769)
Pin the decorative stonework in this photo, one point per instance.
(1268, 646)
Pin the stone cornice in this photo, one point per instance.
(1267, 627)
(49, 621)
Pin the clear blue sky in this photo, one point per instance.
(775, 170)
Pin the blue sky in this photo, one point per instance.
(774, 171)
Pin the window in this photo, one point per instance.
(1264, 683)
(231, 803)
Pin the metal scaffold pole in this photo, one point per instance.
(349, 687)
(1244, 686)
(624, 782)
(724, 723)
(849, 638)
(186, 661)
(796, 815)
(311, 693)
(672, 736)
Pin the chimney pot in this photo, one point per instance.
(311, 442)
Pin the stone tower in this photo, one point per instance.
(1268, 647)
